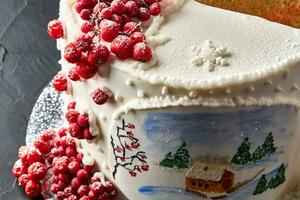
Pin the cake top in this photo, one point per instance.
(201, 47)
(210, 47)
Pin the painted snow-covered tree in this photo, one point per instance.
(168, 161)
(261, 186)
(243, 155)
(179, 159)
(126, 151)
(268, 146)
(258, 154)
(278, 179)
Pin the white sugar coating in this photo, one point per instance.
(140, 94)
(164, 90)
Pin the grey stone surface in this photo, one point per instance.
(28, 60)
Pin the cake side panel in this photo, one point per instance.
(194, 152)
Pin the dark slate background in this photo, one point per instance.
(28, 61)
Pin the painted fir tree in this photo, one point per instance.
(268, 146)
(168, 161)
(181, 157)
(258, 154)
(261, 186)
(243, 155)
(279, 178)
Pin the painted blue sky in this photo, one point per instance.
(222, 131)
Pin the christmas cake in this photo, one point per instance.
(170, 99)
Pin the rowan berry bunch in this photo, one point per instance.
(55, 158)
(109, 27)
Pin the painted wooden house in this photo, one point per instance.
(209, 178)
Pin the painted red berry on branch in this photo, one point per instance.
(55, 29)
(86, 70)
(142, 52)
(122, 46)
(60, 82)
(100, 97)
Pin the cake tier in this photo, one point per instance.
(191, 75)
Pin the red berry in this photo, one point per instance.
(92, 195)
(87, 3)
(83, 43)
(33, 156)
(60, 82)
(97, 188)
(73, 74)
(105, 13)
(85, 197)
(122, 46)
(72, 197)
(142, 52)
(150, 1)
(37, 171)
(137, 37)
(126, 18)
(78, 7)
(100, 97)
(83, 175)
(135, 145)
(145, 167)
(132, 173)
(71, 152)
(19, 169)
(154, 9)
(70, 142)
(23, 151)
(74, 167)
(54, 188)
(87, 134)
(99, 7)
(71, 105)
(48, 135)
(118, 7)
(62, 132)
(71, 116)
(83, 120)
(131, 27)
(55, 29)
(75, 183)
(69, 191)
(109, 30)
(85, 14)
(131, 8)
(83, 190)
(23, 179)
(94, 179)
(86, 70)
(42, 146)
(143, 14)
(75, 130)
(99, 55)
(79, 157)
(64, 177)
(118, 19)
(131, 126)
(60, 165)
(33, 189)
(87, 27)
(71, 53)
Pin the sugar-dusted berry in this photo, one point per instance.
(19, 169)
(55, 29)
(100, 97)
(109, 30)
(71, 53)
(33, 189)
(60, 82)
(71, 116)
(131, 8)
(37, 171)
(118, 6)
(143, 14)
(98, 55)
(154, 9)
(86, 70)
(122, 46)
(142, 52)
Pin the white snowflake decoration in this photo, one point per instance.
(209, 56)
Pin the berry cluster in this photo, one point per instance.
(69, 177)
(117, 22)
(79, 126)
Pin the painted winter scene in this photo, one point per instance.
(233, 154)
